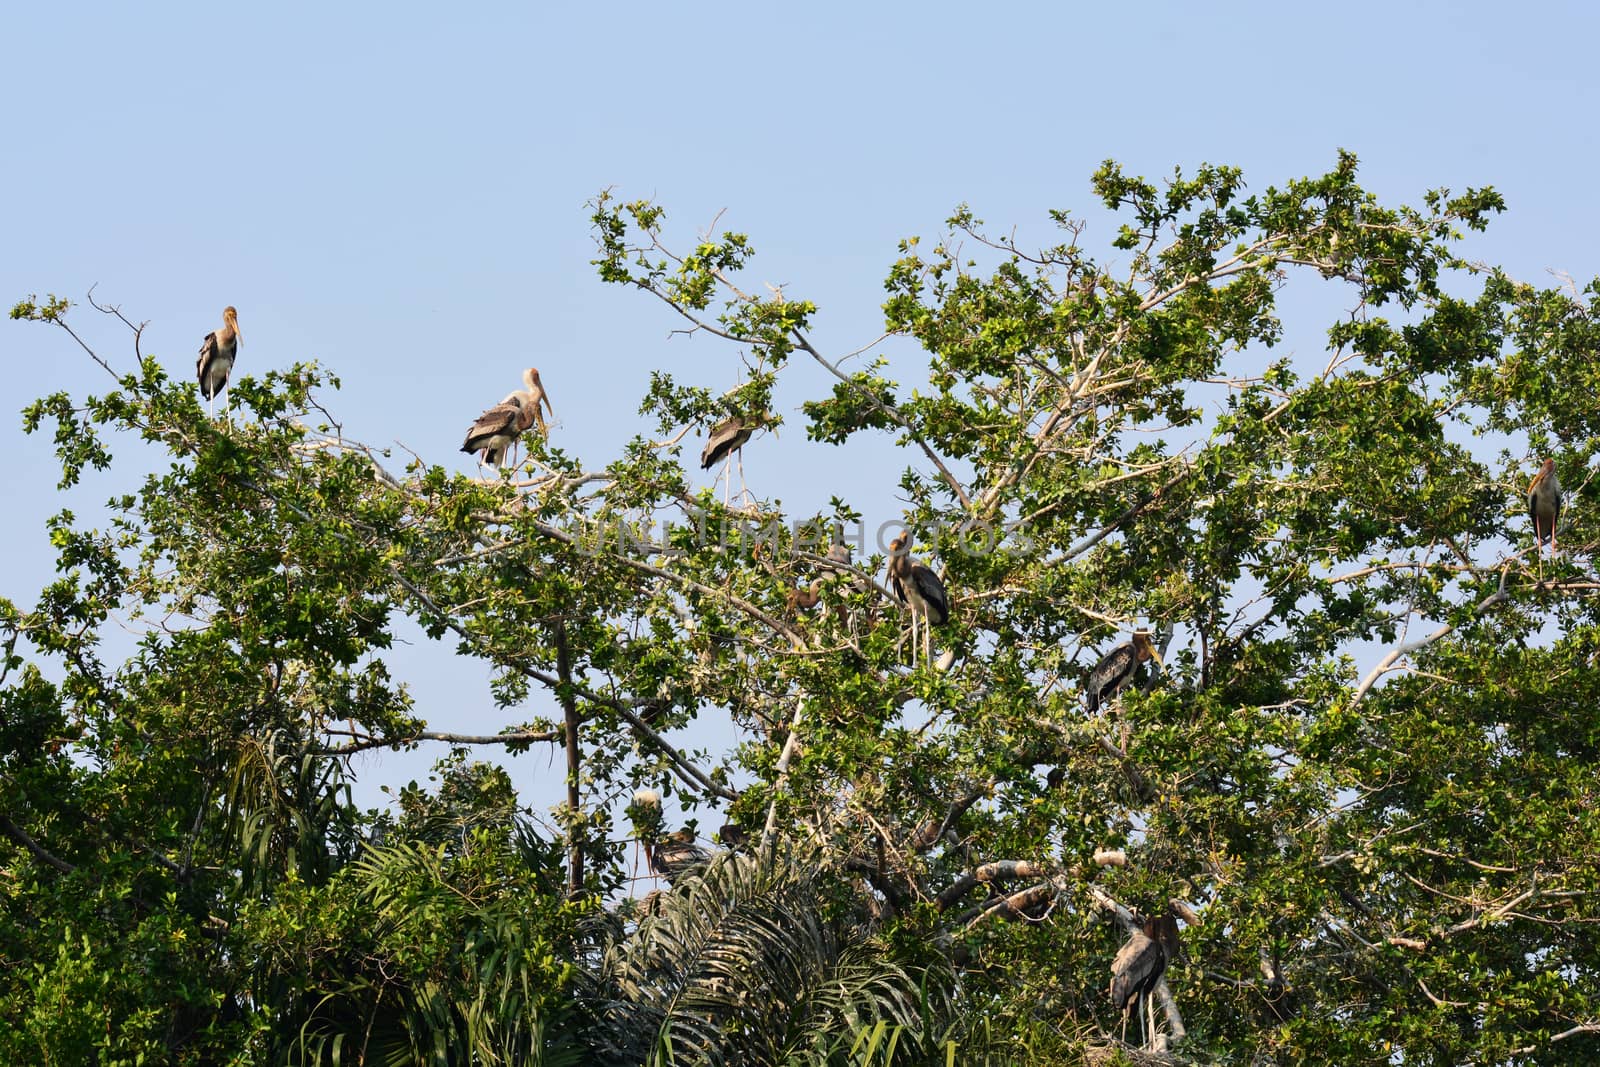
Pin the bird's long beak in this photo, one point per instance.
(1155, 654)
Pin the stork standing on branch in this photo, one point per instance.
(217, 353)
(919, 589)
(677, 855)
(1116, 669)
(499, 428)
(1139, 966)
(669, 857)
(1544, 507)
(728, 437)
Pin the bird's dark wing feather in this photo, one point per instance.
(498, 421)
(1111, 674)
(726, 436)
(672, 859)
(210, 353)
(1136, 970)
(932, 590)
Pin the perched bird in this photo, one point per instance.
(1141, 963)
(919, 589)
(499, 428)
(217, 353)
(728, 437)
(1112, 674)
(805, 599)
(669, 857)
(839, 556)
(1544, 507)
(677, 855)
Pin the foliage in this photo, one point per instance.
(1364, 773)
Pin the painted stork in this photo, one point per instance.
(1544, 507)
(919, 589)
(677, 855)
(1113, 673)
(499, 428)
(727, 437)
(217, 353)
(669, 857)
(805, 599)
(1139, 966)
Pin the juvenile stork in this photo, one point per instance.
(1544, 507)
(217, 353)
(498, 429)
(1116, 669)
(727, 437)
(677, 855)
(1139, 966)
(805, 599)
(919, 589)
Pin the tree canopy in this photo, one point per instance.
(1362, 771)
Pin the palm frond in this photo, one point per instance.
(743, 964)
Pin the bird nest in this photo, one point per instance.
(1117, 1054)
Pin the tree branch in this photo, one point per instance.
(38, 851)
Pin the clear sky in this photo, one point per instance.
(398, 190)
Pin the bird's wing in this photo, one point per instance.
(208, 350)
(933, 591)
(678, 857)
(725, 437)
(1117, 664)
(1135, 962)
(498, 421)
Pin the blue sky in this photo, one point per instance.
(398, 191)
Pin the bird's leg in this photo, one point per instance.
(1149, 1021)
(744, 490)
